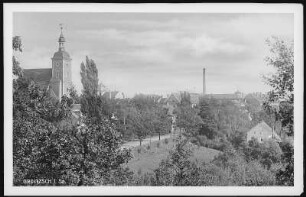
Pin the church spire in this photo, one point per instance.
(61, 40)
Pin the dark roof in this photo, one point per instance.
(61, 55)
(40, 76)
(61, 38)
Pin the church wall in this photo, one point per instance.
(66, 76)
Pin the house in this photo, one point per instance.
(262, 132)
(194, 99)
(113, 95)
(76, 113)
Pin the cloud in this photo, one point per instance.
(203, 45)
(37, 57)
(143, 52)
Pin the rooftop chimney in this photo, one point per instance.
(204, 84)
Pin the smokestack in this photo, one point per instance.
(204, 84)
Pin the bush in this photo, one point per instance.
(148, 147)
(166, 141)
(212, 175)
(256, 175)
(158, 145)
(139, 171)
(139, 150)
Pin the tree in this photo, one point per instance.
(208, 128)
(98, 140)
(93, 106)
(17, 47)
(285, 176)
(282, 59)
(91, 154)
(162, 122)
(36, 120)
(177, 169)
(74, 95)
(89, 77)
(188, 119)
(135, 123)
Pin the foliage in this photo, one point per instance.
(267, 153)
(177, 169)
(17, 47)
(285, 176)
(92, 154)
(188, 120)
(89, 77)
(93, 106)
(48, 144)
(35, 126)
(135, 122)
(282, 59)
(74, 95)
(282, 82)
(238, 171)
(237, 139)
(142, 116)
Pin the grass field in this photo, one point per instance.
(148, 159)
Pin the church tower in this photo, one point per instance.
(61, 69)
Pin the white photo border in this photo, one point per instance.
(296, 9)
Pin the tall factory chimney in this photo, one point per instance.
(204, 83)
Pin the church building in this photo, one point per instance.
(58, 78)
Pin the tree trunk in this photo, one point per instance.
(158, 136)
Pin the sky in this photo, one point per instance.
(158, 53)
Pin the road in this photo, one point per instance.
(145, 141)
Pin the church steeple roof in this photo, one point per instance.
(61, 40)
(61, 53)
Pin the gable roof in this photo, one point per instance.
(261, 127)
(113, 94)
(265, 129)
(176, 97)
(41, 76)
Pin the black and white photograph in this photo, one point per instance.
(153, 99)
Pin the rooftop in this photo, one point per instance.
(41, 76)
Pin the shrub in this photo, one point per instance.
(139, 150)
(158, 145)
(139, 171)
(256, 175)
(212, 175)
(166, 141)
(148, 147)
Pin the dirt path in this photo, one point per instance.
(145, 141)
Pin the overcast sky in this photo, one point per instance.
(158, 53)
